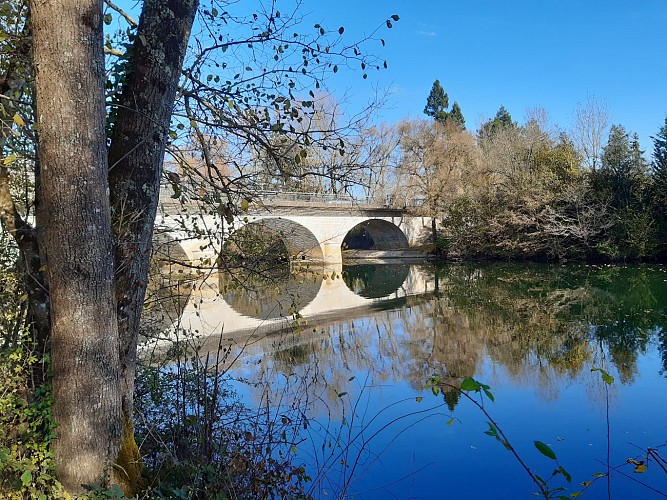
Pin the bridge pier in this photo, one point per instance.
(331, 250)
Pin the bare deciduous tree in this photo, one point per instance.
(590, 129)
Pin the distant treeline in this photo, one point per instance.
(535, 192)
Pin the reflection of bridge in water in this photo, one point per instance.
(239, 316)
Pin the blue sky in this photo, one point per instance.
(520, 54)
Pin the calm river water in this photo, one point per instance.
(358, 372)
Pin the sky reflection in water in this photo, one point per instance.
(532, 333)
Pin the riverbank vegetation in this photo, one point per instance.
(533, 191)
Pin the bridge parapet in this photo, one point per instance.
(275, 197)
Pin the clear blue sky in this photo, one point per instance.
(520, 54)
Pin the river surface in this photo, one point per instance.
(369, 360)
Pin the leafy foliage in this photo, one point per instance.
(502, 121)
(660, 158)
(524, 192)
(26, 429)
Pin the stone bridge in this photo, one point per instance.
(316, 228)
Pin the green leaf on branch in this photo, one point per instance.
(493, 431)
(26, 478)
(565, 474)
(608, 379)
(545, 450)
(470, 384)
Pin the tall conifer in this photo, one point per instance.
(660, 159)
(437, 103)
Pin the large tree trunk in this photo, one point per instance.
(136, 154)
(69, 79)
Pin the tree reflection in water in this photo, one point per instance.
(543, 327)
(556, 320)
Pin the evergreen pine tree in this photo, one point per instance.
(637, 157)
(502, 120)
(617, 155)
(660, 190)
(456, 116)
(437, 103)
(660, 159)
(617, 166)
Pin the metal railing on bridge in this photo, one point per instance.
(268, 196)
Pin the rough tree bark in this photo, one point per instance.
(96, 312)
(69, 86)
(136, 154)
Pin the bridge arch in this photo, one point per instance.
(298, 240)
(375, 234)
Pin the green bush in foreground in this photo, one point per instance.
(26, 429)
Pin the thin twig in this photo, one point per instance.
(124, 14)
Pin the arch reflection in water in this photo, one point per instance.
(277, 292)
(534, 332)
(373, 281)
(237, 313)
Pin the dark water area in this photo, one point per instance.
(376, 390)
